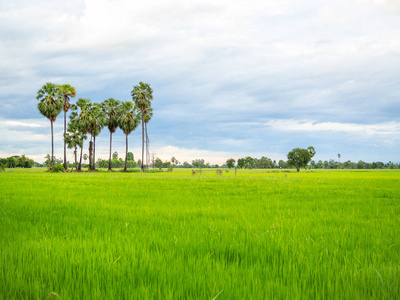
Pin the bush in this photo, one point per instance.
(2, 168)
(58, 169)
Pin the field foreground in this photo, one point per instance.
(178, 236)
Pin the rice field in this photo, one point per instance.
(174, 235)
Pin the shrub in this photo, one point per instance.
(2, 168)
(58, 169)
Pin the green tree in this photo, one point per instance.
(127, 121)
(360, 164)
(230, 163)
(241, 162)
(299, 158)
(110, 107)
(142, 94)
(158, 163)
(50, 106)
(74, 138)
(81, 119)
(66, 92)
(198, 163)
(130, 156)
(115, 155)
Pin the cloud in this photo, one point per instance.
(317, 66)
(388, 128)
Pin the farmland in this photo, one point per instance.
(174, 235)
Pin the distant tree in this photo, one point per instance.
(230, 163)
(66, 92)
(241, 162)
(81, 118)
(110, 108)
(142, 94)
(299, 158)
(339, 156)
(50, 106)
(282, 164)
(127, 121)
(85, 157)
(130, 156)
(158, 163)
(115, 155)
(326, 164)
(186, 165)
(360, 164)
(198, 163)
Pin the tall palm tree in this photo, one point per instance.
(66, 92)
(50, 106)
(142, 95)
(147, 117)
(81, 118)
(110, 107)
(127, 121)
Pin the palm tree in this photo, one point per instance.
(73, 139)
(66, 92)
(142, 94)
(110, 107)
(50, 106)
(80, 118)
(127, 121)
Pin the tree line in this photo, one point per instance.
(89, 118)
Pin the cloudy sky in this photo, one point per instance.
(230, 78)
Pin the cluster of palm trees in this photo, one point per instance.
(89, 118)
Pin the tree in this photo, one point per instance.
(130, 156)
(50, 106)
(127, 121)
(85, 157)
(110, 108)
(339, 156)
(66, 92)
(158, 163)
(299, 158)
(241, 162)
(73, 139)
(81, 119)
(142, 95)
(282, 164)
(198, 163)
(230, 163)
(360, 164)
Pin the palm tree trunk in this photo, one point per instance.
(126, 153)
(109, 160)
(76, 163)
(94, 153)
(80, 160)
(65, 132)
(142, 141)
(52, 147)
(147, 146)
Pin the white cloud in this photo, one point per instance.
(388, 128)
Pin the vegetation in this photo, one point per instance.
(50, 105)
(318, 235)
(299, 158)
(142, 94)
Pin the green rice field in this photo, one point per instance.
(174, 235)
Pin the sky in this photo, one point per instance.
(230, 78)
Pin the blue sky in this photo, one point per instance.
(230, 78)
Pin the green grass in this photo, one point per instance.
(172, 235)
